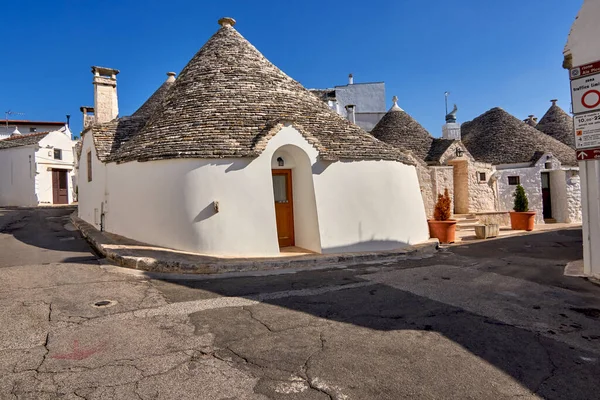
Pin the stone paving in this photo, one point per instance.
(490, 320)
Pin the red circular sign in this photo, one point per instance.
(596, 104)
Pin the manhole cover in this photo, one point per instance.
(104, 303)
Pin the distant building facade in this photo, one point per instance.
(9, 127)
(361, 103)
(37, 169)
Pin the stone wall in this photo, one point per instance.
(482, 194)
(573, 188)
(531, 181)
(442, 178)
(502, 218)
(426, 186)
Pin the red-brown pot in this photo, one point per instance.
(445, 231)
(522, 221)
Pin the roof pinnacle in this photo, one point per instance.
(171, 76)
(395, 106)
(227, 21)
(553, 101)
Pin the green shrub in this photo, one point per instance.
(521, 202)
(442, 207)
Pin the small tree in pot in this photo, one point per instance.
(442, 227)
(521, 218)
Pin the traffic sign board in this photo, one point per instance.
(587, 69)
(587, 130)
(588, 154)
(585, 93)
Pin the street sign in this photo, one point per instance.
(584, 70)
(587, 130)
(585, 93)
(588, 154)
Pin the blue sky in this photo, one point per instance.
(486, 53)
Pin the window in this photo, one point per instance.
(514, 180)
(89, 165)
(57, 154)
(32, 129)
(481, 176)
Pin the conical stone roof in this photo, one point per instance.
(229, 100)
(402, 131)
(497, 137)
(558, 124)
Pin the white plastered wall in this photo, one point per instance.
(365, 205)
(45, 162)
(17, 177)
(91, 194)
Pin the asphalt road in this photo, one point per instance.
(495, 320)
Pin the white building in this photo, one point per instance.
(583, 47)
(361, 103)
(37, 169)
(481, 163)
(236, 158)
(9, 127)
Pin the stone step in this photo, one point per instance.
(467, 221)
(466, 227)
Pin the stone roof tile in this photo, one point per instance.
(22, 140)
(497, 137)
(558, 124)
(226, 100)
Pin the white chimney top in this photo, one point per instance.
(227, 21)
(350, 79)
(171, 76)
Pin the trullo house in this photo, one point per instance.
(233, 157)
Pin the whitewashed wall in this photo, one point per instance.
(91, 194)
(442, 178)
(531, 180)
(367, 97)
(366, 205)
(45, 162)
(17, 177)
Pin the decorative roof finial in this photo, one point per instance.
(395, 106)
(227, 21)
(553, 101)
(451, 116)
(171, 76)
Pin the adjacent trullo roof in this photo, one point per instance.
(497, 137)
(227, 102)
(558, 124)
(402, 131)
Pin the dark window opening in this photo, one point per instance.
(32, 129)
(514, 180)
(57, 154)
(482, 177)
(89, 166)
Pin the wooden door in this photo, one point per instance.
(60, 186)
(284, 206)
(546, 198)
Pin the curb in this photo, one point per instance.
(214, 265)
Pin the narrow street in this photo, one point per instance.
(494, 320)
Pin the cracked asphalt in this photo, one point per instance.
(494, 320)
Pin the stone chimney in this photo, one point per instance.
(350, 112)
(88, 116)
(350, 79)
(106, 106)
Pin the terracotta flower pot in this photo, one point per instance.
(445, 231)
(522, 221)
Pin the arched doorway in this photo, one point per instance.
(294, 199)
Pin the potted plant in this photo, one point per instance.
(442, 227)
(521, 218)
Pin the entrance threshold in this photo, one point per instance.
(293, 251)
